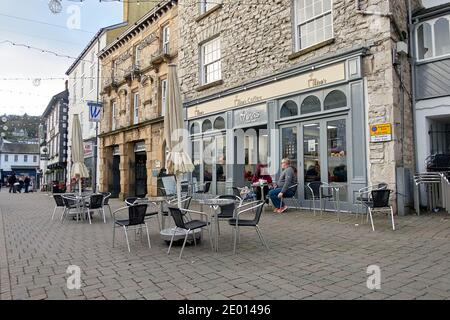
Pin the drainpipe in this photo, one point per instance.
(94, 178)
(413, 80)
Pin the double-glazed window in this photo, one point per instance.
(163, 96)
(113, 115)
(165, 40)
(211, 61)
(433, 38)
(313, 22)
(136, 108)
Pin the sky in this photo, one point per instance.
(16, 25)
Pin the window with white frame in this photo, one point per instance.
(113, 115)
(25, 158)
(34, 158)
(206, 5)
(313, 22)
(16, 158)
(433, 38)
(82, 87)
(74, 88)
(163, 96)
(6, 158)
(166, 39)
(136, 108)
(92, 72)
(211, 61)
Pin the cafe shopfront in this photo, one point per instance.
(314, 115)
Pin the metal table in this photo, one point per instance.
(215, 204)
(335, 190)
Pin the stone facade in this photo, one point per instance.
(258, 40)
(124, 75)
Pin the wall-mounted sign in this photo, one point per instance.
(271, 90)
(95, 109)
(88, 149)
(250, 116)
(381, 132)
(139, 146)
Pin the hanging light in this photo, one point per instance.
(55, 6)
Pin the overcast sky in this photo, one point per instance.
(17, 26)
(430, 3)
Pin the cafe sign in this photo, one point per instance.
(381, 132)
(250, 116)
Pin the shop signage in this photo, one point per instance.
(250, 116)
(381, 132)
(273, 90)
(88, 149)
(139, 146)
(95, 109)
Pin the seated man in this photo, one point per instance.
(288, 178)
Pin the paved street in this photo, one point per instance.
(309, 258)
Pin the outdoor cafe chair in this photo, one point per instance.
(106, 197)
(227, 211)
(379, 201)
(72, 202)
(135, 221)
(178, 215)
(363, 195)
(237, 222)
(321, 191)
(152, 209)
(59, 203)
(96, 203)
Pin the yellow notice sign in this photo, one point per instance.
(381, 132)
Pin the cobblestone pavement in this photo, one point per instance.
(310, 257)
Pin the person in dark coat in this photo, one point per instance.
(11, 180)
(26, 183)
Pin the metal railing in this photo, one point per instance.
(445, 192)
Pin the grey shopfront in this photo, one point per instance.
(315, 115)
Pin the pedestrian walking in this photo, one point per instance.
(26, 183)
(11, 181)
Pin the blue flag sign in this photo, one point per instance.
(95, 109)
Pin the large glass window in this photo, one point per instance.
(289, 109)
(310, 104)
(195, 128)
(433, 38)
(219, 123)
(337, 155)
(196, 159)
(442, 36)
(211, 61)
(335, 99)
(206, 126)
(314, 22)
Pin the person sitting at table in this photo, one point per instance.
(261, 173)
(284, 187)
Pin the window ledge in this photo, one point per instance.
(209, 85)
(297, 54)
(207, 13)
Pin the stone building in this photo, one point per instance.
(134, 72)
(307, 80)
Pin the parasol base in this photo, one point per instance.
(166, 235)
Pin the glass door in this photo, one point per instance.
(220, 165)
(318, 148)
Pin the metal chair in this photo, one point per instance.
(293, 197)
(379, 201)
(71, 202)
(187, 226)
(363, 195)
(59, 203)
(236, 222)
(316, 189)
(135, 221)
(106, 197)
(96, 203)
(228, 211)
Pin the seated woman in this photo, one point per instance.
(261, 174)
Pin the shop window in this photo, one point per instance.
(219, 123)
(289, 109)
(335, 99)
(310, 104)
(206, 126)
(195, 128)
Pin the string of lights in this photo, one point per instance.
(24, 93)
